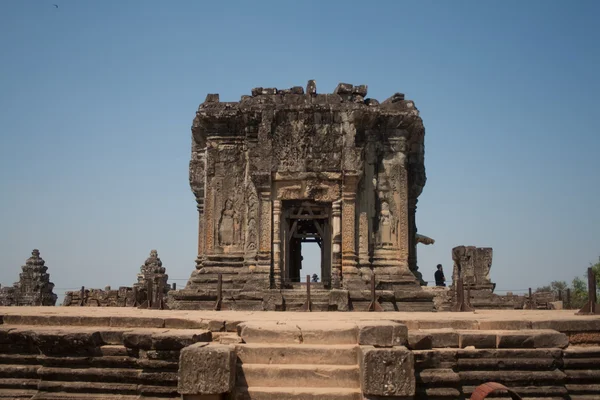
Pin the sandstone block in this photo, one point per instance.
(532, 339)
(360, 90)
(206, 369)
(298, 333)
(183, 323)
(440, 338)
(311, 87)
(168, 340)
(343, 88)
(212, 98)
(338, 299)
(67, 342)
(382, 333)
(419, 340)
(479, 340)
(555, 305)
(387, 372)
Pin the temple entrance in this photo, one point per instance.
(305, 222)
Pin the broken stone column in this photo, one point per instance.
(34, 287)
(473, 264)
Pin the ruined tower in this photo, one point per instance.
(283, 167)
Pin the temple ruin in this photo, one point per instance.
(148, 292)
(34, 287)
(284, 167)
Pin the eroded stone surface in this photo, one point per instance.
(387, 372)
(207, 369)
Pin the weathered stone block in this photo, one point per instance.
(440, 338)
(419, 340)
(343, 88)
(382, 333)
(360, 90)
(532, 339)
(479, 340)
(206, 369)
(387, 372)
(311, 87)
(338, 300)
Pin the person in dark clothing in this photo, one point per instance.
(440, 279)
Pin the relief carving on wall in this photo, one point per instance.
(252, 233)
(387, 225)
(229, 225)
(315, 189)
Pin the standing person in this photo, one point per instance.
(440, 279)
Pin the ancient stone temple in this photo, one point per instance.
(284, 167)
(34, 287)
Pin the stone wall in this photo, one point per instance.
(123, 297)
(151, 277)
(34, 287)
(99, 363)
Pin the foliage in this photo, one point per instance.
(578, 288)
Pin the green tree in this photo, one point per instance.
(579, 287)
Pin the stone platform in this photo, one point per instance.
(126, 353)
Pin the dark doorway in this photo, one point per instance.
(305, 222)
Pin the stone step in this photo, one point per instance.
(14, 394)
(298, 375)
(316, 332)
(88, 387)
(20, 359)
(295, 393)
(114, 350)
(94, 396)
(18, 371)
(116, 375)
(257, 353)
(16, 383)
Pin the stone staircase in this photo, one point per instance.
(284, 369)
(84, 363)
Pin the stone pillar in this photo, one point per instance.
(276, 244)
(336, 245)
(403, 216)
(200, 207)
(412, 239)
(209, 224)
(363, 240)
(349, 226)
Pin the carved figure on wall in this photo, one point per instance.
(387, 225)
(229, 225)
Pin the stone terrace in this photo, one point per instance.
(124, 353)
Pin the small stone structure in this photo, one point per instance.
(152, 271)
(34, 287)
(284, 167)
(473, 265)
(152, 279)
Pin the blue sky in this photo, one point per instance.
(97, 99)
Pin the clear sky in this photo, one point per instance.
(97, 99)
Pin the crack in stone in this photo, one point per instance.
(300, 337)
